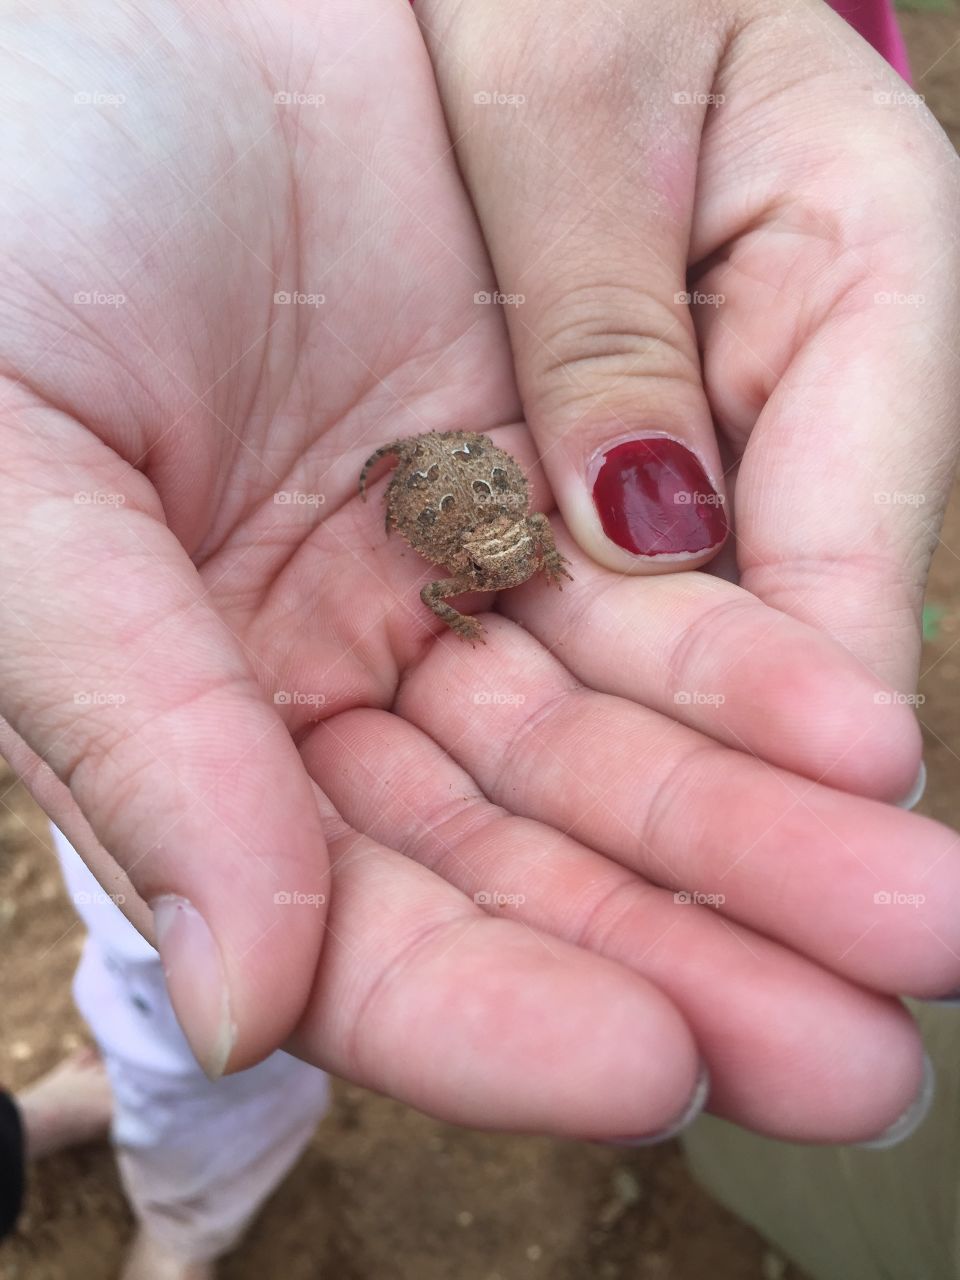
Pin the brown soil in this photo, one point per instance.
(384, 1193)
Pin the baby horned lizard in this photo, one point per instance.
(463, 503)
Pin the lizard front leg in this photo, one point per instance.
(433, 595)
(550, 558)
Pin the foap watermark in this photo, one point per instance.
(697, 298)
(494, 98)
(696, 98)
(485, 497)
(95, 897)
(898, 98)
(484, 299)
(498, 698)
(298, 498)
(295, 98)
(98, 298)
(494, 898)
(695, 498)
(698, 698)
(97, 98)
(294, 898)
(894, 898)
(894, 698)
(693, 898)
(98, 498)
(896, 298)
(899, 498)
(299, 698)
(98, 698)
(294, 298)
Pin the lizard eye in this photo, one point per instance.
(427, 516)
(422, 479)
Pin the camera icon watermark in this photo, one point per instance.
(695, 98)
(485, 497)
(894, 698)
(899, 498)
(294, 98)
(493, 898)
(695, 498)
(894, 898)
(697, 298)
(298, 698)
(96, 897)
(698, 698)
(98, 298)
(97, 98)
(498, 698)
(98, 698)
(895, 298)
(98, 498)
(494, 98)
(693, 898)
(898, 98)
(484, 298)
(294, 898)
(294, 298)
(298, 498)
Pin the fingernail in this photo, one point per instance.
(198, 992)
(654, 499)
(693, 1108)
(915, 794)
(912, 1118)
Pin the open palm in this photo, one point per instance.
(557, 885)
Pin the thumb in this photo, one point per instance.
(588, 223)
(115, 670)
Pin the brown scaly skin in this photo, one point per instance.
(463, 503)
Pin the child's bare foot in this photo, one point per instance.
(71, 1104)
(148, 1259)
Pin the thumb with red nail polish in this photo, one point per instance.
(620, 417)
(603, 340)
(654, 498)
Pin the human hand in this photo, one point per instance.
(183, 606)
(733, 224)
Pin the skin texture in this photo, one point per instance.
(463, 503)
(451, 875)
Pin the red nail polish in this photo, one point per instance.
(654, 499)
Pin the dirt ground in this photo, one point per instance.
(384, 1193)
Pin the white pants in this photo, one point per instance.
(197, 1158)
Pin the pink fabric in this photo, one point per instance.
(875, 21)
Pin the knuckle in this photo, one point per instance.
(667, 809)
(521, 753)
(714, 632)
(105, 772)
(610, 333)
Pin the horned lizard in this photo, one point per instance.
(463, 503)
